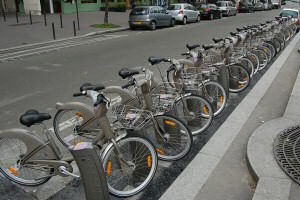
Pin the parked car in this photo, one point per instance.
(267, 5)
(150, 17)
(184, 12)
(227, 8)
(246, 6)
(294, 13)
(259, 6)
(276, 4)
(210, 11)
(283, 2)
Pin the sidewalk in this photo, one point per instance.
(220, 171)
(15, 34)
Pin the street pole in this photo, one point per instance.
(3, 12)
(45, 19)
(30, 17)
(77, 14)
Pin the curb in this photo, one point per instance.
(272, 180)
(6, 50)
(193, 178)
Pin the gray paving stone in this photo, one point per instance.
(296, 89)
(293, 107)
(219, 144)
(243, 110)
(274, 188)
(192, 179)
(258, 196)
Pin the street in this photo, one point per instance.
(39, 81)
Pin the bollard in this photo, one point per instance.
(30, 17)
(60, 17)
(77, 14)
(53, 31)
(4, 17)
(17, 16)
(45, 19)
(74, 28)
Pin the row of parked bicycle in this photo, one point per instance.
(155, 117)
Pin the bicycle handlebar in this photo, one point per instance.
(83, 93)
(128, 84)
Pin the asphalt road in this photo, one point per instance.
(40, 81)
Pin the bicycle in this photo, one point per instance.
(129, 156)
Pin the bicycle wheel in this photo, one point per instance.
(263, 58)
(195, 111)
(248, 65)
(255, 61)
(215, 93)
(12, 166)
(280, 38)
(69, 128)
(239, 78)
(267, 51)
(140, 154)
(272, 48)
(277, 44)
(174, 139)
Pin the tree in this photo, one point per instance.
(106, 12)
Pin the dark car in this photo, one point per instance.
(259, 6)
(246, 6)
(210, 11)
(150, 17)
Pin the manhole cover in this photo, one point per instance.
(287, 151)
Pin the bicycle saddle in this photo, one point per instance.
(206, 47)
(233, 34)
(154, 60)
(269, 21)
(31, 117)
(89, 86)
(262, 24)
(191, 47)
(239, 29)
(217, 40)
(125, 73)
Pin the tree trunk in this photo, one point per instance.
(106, 12)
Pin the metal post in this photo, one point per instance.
(17, 16)
(4, 17)
(30, 17)
(53, 30)
(45, 19)
(77, 14)
(74, 28)
(60, 17)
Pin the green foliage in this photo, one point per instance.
(116, 7)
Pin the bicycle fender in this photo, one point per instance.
(32, 143)
(111, 144)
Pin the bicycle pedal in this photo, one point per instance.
(76, 182)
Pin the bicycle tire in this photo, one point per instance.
(263, 58)
(248, 65)
(190, 118)
(239, 75)
(71, 136)
(255, 60)
(277, 44)
(109, 156)
(14, 170)
(177, 137)
(272, 48)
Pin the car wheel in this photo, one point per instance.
(172, 23)
(198, 18)
(220, 16)
(132, 27)
(211, 16)
(184, 20)
(152, 26)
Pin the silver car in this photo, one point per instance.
(227, 8)
(150, 17)
(184, 12)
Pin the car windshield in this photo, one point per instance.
(174, 7)
(221, 4)
(204, 6)
(287, 13)
(139, 11)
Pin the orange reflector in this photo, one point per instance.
(78, 114)
(108, 168)
(187, 66)
(170, 123)
(160, 151)
(221, 100)
(149, 161)
(13, 171)
(205, 109)
(241, 85)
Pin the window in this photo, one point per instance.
(186, 7)
(139, 11)
(88, 1)
(287, 13)
(154, 10)
(174, 7)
